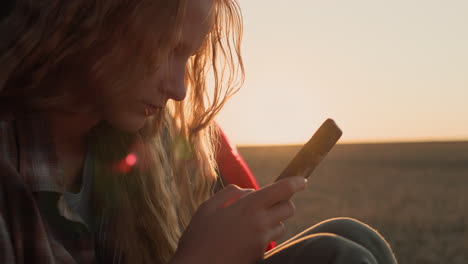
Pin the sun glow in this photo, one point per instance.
(384, 71)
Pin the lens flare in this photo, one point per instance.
(126, 164)
(131, 159)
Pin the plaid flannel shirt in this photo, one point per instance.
(36, 225)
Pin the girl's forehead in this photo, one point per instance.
(197, 22)
(199, 9)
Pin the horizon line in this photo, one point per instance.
(363, 142)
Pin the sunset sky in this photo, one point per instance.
(393, 70)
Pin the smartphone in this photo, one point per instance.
(313, 152)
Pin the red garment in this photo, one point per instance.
(233, 168)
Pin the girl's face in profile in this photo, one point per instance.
(151, 94)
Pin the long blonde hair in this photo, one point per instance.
(145, 206)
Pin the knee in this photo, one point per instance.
(329, 248)
(359, 233)
(348, 228)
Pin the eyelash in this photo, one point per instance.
(180, 49)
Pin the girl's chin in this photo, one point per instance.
(128, 124)
(132, 122)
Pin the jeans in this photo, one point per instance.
(335, 241)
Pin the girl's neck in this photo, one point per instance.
(68, 134)
(70, 129)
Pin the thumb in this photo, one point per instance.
(227, 196)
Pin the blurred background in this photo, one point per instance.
(393, 75)
(384, 70)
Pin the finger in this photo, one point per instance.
(281, 212)
(226, 196)
(246, 192)
(234, 199)
(277, 232)
(278, 191)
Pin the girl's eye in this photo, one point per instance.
(182, 50)
(178, 49)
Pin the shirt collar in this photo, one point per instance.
(37, 157)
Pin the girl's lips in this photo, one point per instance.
(151, 109)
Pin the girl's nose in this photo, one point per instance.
(176, 88)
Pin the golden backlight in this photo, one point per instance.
(384, 71)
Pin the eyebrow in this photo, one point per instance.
(189, 46)
(184, 47)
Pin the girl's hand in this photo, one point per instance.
(236, 225)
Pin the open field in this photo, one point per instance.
(414, 194)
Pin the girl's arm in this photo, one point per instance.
(23, 238)
(6, 248)
(7, 254)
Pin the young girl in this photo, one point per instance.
(107, 142)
